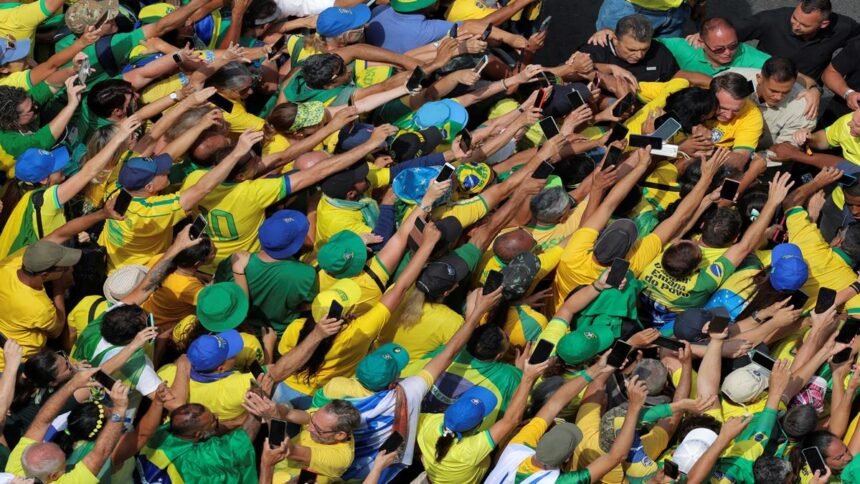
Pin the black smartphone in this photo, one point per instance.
(541, 352)
(123, 200)
(277, 432)
(671, 470)
(668, 129)
(575, 100)
(104, 379)
(826, 299)
(101, 20)
(619, 132)
(307, 477)
(277, 47)
(613, 157)
(392, 443)
(762, 360)
(624, 105)
(617, 272)
(798, 300)
(848, 331)
(445, 174)
(414, 82)
(668, 343)
(221, 102)
(620, 350)
(197, 227)
(550, 129)
(493, 282)
(3, 340)
(335, 311)
(543, 171)
(814, 460)
(465, 140)
(545, 24)
(545, 80)
(641, 141)
(729, 189)
(718, 324)
(487, 31)
(256, 368)
(620, 382)
(420, 224)
(453, 31)
(848, 180)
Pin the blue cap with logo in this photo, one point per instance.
(34, 165)
(470, 409)
(137, 172)
(788, 269)
(211, 350)
(334, 21)
(283, 234)
(13, 50)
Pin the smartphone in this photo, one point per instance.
(453, 32)
(620, 382)
(150, 320)
(392, 443)
(544, 170)
(541, 352)
(619, 132)
(729, 189)
(197, 227)
(256, 368)
(277, 47)
(640, 141)
(335, 311)
(550, 129)
(814, 460)
(123, 200)
(751, 86)
(445, 174)
(221, 102)
(762, 360)
(545, 80)
(620, 350)
(798, 300)
(624, 105)
(718, 324)
(575, 100)
(104, 379)
(826, 299)
(3, 340)
(847, 180)
(101, 21)
(277, 432)
(414, 82)
(617, 272)
(669, 128)
(482, 64)
(307, 477)
(613, 157)
(545, 24)
(848, 331)
(84, 72)
(668, 343)
(486, 34)
(465, 140)
(493, 282)
(419, 224)
(671, 470)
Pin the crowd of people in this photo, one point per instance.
(298, 241)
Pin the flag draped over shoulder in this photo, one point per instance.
(86, 349)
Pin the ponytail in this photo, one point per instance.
(443, 445)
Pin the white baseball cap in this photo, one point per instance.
(692, 448)
(745, 384)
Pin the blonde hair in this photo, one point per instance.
(409, 311)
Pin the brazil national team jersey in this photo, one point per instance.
(690, 292)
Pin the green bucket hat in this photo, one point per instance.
(344, 255)
(406, 6)
(382, 367)
(584, 343)
(222, 306)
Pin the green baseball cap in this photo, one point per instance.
(222, 306)
(406, 6)
(344, 255)
(584, 343)
(382, 367)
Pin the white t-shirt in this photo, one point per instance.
(148, 381)
(302, 8)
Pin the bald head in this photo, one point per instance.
(44, 461)
(513, 243)
(308, 160)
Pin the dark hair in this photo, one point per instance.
(851, 242)
(751, 204)
(714, 24)
(820, 439)
(258, 10)
(41, 368)
(443, 445)
(722, 227)
(310, 368)
(232, 76)
(637, 26)
(693, 422)
(852, 191)
(823, 6)
(690, 107)
(281, 118)
(681, 259)
(10, 99)
(780, 69)
(319, 69)
(733, 83)
(763, 293)
(183, 420)
(122, 323)
(771, 469)
(108, 95)
(799, 421)
(486, 342)
(348, 417)
(83, 424)
(194, 254)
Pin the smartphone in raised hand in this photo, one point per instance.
(550, 129)
(613, 157)
(718, 324)
(624, 105)
(277, 432)
(826, 298)
(543, 171)
(640, 141)
(221, 102)
(123, 200)
(104, 379)
(729, 190)
(618, 354)
(493, 282)
(541, 352)
(668, 343)
(575, 100)
(197, 227)
(392, 443)
(445, 174)
(487, 31)
(814, 460)
(256, 368)
(414, 82)
(762, 360)
(617, 272)
(335, 311)
(619, 132)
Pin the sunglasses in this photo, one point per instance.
(723, 48)
(341, 71)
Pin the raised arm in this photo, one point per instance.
(340, 119)
(81, 224)
(801, 194)
(61, 120)
(514, 413)
(52, 407)
(175, 19)
(708, 383)
(392, 298)
(112, 430)
(298, 356)
(778, 189)
(705, 465)
(636, 391)
(12, 357)
(601, 215)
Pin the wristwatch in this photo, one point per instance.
(177, 58)
(848, 93)
(116, 418)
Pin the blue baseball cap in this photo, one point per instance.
(411, 184)
(210, 351)
(13, 50)
(354, 135)
(470, 409)
(283, 234)
(137, 172)
(447, 115)
(788, 269)
(334, 21)
(34, 165)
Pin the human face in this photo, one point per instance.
(854, 124)
(159, 183)
(353, 36)
(27, 112)
(772, 91)
(729, 107)
(630, 49)
(836, 455)
(322, 428)
(63, 369)
(853, 204)
(721, 46)
(807, 24)
(208, 426)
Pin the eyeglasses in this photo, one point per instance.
(723, 48)
(318, 430)
(341, 71)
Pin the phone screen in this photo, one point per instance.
(335, 311)
(718, 324)
(619, 132)
(848, 180)
(762, 360)
(465, 140)
(541, 352)
(617, 271)
(545, 24)
(276, 48)
(550, 129)
(613, 157)
(486, 34)
(104, 380)
(482, 64)
(575, 100)
(453, 31)
(619, 353)
(277, 432)
(197, 227)
(729, 189)
(623, 106)
(84, 71)
(668, 129)
(671, 470)
(419, 224)
(123, 200)
(798, 300)
(101, 20)
(221, 102)
(392, 443)
(493, 282)
(414, 82)
(848, 331)
(814, 460)
(307, 477)
(639, 141)
(256, 368)
(445, 174)
(826, 299)
(668, 343)
(543, 171)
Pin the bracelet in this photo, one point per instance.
(239, 273)
(587, 377)
(177, 58)
(504, 86)
(848, 93)
(116, 418)
(855, 286)
(756, 318)
(595, 288)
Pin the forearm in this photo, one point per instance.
(155, 108)
(840, 408)
(578, 301)
(153, 279)
(7, 389)
(75, 226)
(61, 120)
(56, 61)
(834, 81)
(179, 146)
(702, 468)
(142, 76)
(48, 412)
(105, 443)
(801, 194)
(251, 426)
(306, 178)
(708, 382)
(502, 15)
(177, 18)
(373, 53)
(300, 147)
(373, 101)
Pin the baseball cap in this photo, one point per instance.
(334, 21)
(473, 177)
(689, 324)
(788, 269)
(442, 275)
(43, 255)
(351, 136)
(414, 144)
(84, 13)
(345, 291)
(404, 6)
(411, 184)
(13, 50)
(745, 384)
(558, 105)
(519, 274)
(447, 115)
(450, 228)
(382, 367)
(222, 306)
(34, 165)
(122, 281)
(339, 184)
(615, 241)
(210, 351)
(344, 255)
(470, 409)
(137, 172)
(654, 374)
(582, 344)
(558, 444)
(283, 234)
(692, 448)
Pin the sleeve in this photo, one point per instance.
(30, 15)
(656, 413)
(13, 465)
(794, 124)
(648, 248)
(679, 48)
(483, 447)
(469, 211)
(531, 433)
(267, 191)
(469, 253)
(16, 143)
(846, 61)
(121, 45)
(433, 30)
(372, 322)
(41, 93)
(655, 442)
(837, 131)
(750, 27)
(755, 57)
(712, 276)
(579, 244)
(801, 231)
(581, 476)
(749, 129)
(148, 381)
(555, 330)
(241, 121)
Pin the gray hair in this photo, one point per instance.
(549, 205)
(233, 76)
(42, 459)
(637, 26)
(348, 417)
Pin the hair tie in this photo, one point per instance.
(754, 214)
(446, 432)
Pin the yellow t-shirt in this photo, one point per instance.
(548, 236)
(147, 230)
(467, 460)
(223, 397)
(665, 174)
(17, 79)
(467, 211)
(235, 211)
(28, 314)
(350, 345)
(240, 119)
(654, 95)
(20, 20)
(53, 217)
(79, 316)
(523, 324)
(80, 474)
(175, 299)
(331, 220)
(370, 290)
(839, 134)
(162, 88)
(435, 328)
(328, 461)
(742, 133)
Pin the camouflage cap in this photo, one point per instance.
(84, 13)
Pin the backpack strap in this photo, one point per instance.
(375, 278)
(91, 315)
(38, 199)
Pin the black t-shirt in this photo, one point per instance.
(772, 28)
(847, 63)
(570, 29)
(658, 65)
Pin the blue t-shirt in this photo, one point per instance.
(399, 32)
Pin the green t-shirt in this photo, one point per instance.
(87, 122)
(692, 59)
(121, 45)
